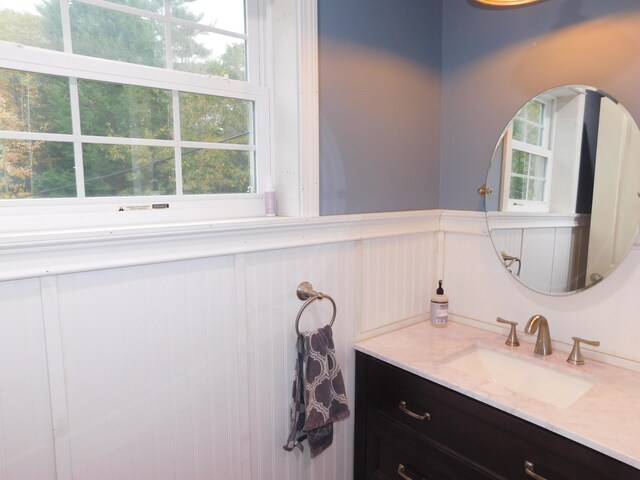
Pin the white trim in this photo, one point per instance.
(20, 57)
(128, 141)
(28, 255)
(60, 252)
(467, 222)
(76, 128)
(309, 109)
(507, 220)
(391, 327)
(41, 216)
(294, 79)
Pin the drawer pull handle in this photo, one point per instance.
(403, 408)
(401, 472)
(528, 469)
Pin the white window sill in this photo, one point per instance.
(54, 252)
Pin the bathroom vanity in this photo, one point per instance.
(419, 417)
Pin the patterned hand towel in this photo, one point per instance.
(319, 397)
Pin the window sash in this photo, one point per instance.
(511, 144)
(72, 213)
(31, 59)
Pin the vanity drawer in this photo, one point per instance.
(478, 433)
(446, 419)
(392, 448)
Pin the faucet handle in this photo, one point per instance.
(512, 339)
(575, 357)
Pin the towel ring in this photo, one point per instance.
(306, 292)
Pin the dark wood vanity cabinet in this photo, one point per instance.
(410, 428)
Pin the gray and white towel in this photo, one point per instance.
(319, 397)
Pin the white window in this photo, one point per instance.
(528, 158)
(132, 105)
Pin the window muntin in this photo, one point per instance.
(140, 139)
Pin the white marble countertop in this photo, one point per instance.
(606, 418)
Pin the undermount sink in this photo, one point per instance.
(523, 376)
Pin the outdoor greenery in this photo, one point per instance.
(31, 102)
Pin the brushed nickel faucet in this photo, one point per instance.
(575, 357)
(543, 342)
(512, 339)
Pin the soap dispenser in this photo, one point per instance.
(439, 308)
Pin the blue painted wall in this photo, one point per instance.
(387, 66)
(495, 60)
(380, 94)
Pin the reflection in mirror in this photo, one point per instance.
(565, 174)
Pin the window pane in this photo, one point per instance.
(534, 112)
(208, 118)
(535, 191)
(31, 169)
(103, 33)
(528, 126)
(121, 170)
(537, 166)
(216, 171)
(520, 162)
(534, 135)
(207, 53)
(516, 188)
(113, 110)
(518, 129)
(31, 22)
(224, 14)
(32, 102)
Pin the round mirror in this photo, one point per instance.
(565, 179)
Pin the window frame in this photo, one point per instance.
(546, 150)
(103, 212)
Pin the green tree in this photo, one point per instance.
(21, 27)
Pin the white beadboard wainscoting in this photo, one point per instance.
(172, 357)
